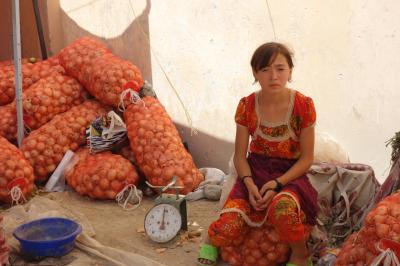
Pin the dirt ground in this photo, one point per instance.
(122, 229)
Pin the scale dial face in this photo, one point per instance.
(162, 223)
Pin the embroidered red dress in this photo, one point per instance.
(274, 149)
(276, 140)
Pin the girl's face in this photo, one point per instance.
(274, 76)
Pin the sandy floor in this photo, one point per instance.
(124, 229)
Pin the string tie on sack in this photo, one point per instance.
(132, 97)
(17, 196)
(128, 195)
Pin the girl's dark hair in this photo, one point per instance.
(266, 54)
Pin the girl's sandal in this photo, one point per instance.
(209, 253)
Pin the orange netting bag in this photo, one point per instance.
(157, 146)
(46, 146)
(260, 247)
(103, 74)
(31, 73)
(101, 175)
(81, 53)
(382, 224)
(44, 99)
(49, 97)
(8, 122)
(354, 251)
(109, 76)
(16, 174)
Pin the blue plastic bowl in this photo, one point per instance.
(48, 237)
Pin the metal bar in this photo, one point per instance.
(18, 70)
(40, 29)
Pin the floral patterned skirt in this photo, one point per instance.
(292, 212)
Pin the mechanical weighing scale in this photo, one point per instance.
(168, 216)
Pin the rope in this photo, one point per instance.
(386, 258)
(17, 196)
(133, 98)
(123, 199)
(189, 119)
(270, 18)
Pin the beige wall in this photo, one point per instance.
(345, 58)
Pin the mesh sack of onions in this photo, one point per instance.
(8, 122)
(381, 224)
(354, 251)
(16, 173)
(157, 146)
(109, 76)
(101, 175)
(81, 53)
(31, 73)
(44, 99)
(260, 247)
(46, 146)
(51, 96)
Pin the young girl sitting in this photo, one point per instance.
(272, 184)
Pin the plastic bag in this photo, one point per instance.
(105, 132)
(345, 195)
(56, 181)
(390, 253)
(328, 150)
